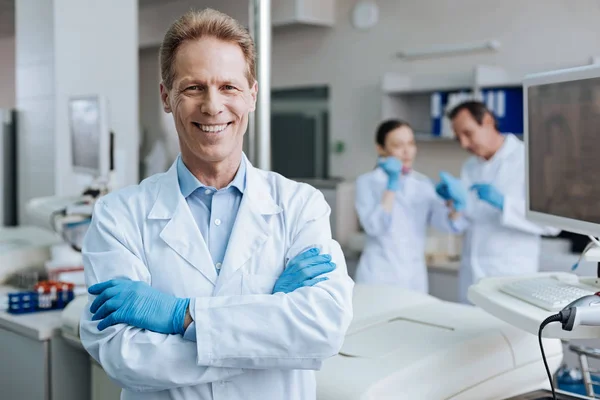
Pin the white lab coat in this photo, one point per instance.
(250, 344)
(394, 253)
(498, 243)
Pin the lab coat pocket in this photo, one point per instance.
(258, 283)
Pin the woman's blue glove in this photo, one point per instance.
(451, 188)
(304, 270)
(489, 194)
(392, 167)
(135, 303)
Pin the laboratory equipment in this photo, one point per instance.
(547, 292)
(24, 247)
(8, 167)
(488, 294)
(90, 135)
(46, 296)
(69, 216)
(562, 115)
(403, 344)
(591, 376)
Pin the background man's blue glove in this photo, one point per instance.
(392, 167)
(304, 270)
(489, 194)
(137, 304)
(451, 188)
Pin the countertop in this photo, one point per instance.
(38, 326)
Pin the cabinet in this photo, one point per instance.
(37, 363)
(302, 12)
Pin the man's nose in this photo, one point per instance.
(212, 104)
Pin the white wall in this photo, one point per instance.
(7, 72)
(156, 19)
(536, 35)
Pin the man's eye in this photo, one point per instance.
(194, 87)
(229, 87)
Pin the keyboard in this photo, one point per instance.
(547, 292)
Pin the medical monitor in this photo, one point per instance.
(562, 140)
(90, 135)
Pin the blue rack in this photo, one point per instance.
(28, 302)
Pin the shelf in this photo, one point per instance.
(429, 137)
(481, 77)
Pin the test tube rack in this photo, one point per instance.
(46, 296)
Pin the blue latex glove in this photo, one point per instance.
(137, 304)
(489, 194)
(442, 191)
(392, 167)
(451, 188)
(304, 270)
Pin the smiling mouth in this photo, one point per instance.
(212, 128)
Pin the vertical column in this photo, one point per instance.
(260, 26)
(68, 48)
(35, 90)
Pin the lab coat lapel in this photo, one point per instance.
(251, 229)
(181, 232)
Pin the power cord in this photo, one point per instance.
(565, 317)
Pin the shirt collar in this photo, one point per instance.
(188, 183)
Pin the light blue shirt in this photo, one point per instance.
(214, 212)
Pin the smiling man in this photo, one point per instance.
(214, 280)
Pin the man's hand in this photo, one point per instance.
(451, 188)
(489, 194)
(304, 270)
(137, 304)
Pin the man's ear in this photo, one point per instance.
(164, 97)
(253, 94)
(488, 120)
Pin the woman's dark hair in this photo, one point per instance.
(386, 127)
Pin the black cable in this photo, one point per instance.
(553, 318)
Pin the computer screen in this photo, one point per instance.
(562, 137)
(90, 137)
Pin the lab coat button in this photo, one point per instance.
(218, 265)
(217, 222)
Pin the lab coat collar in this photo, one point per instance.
(170, 196)
(250, 229)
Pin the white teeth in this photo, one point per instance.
(212, 128)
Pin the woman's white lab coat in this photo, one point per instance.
(498, 242)
(394, 252)
(249, 344)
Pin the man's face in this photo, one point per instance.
(400, 143)
(210, 99)
(472, 136)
